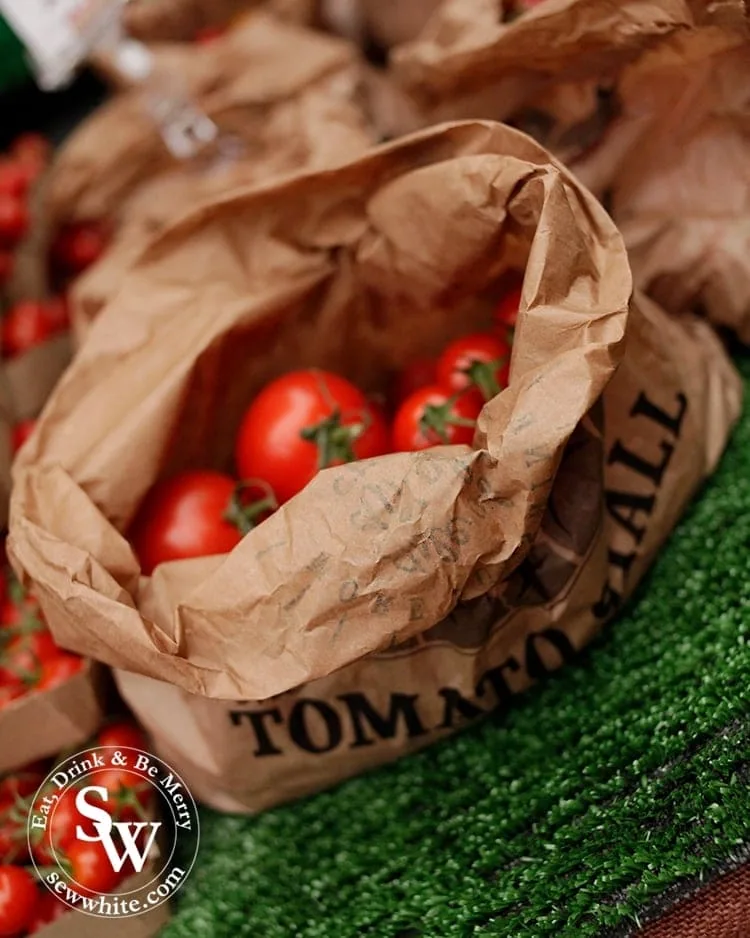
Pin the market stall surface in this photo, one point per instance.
(587, 809)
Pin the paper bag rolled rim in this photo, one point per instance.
(42, 723)
(579, 340)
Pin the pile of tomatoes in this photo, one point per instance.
(309, 420)
(20, 167)
(30, 661)
(26, 906)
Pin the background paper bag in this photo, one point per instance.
(285, 95)
(359, 269)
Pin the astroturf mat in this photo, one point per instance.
(593, 804)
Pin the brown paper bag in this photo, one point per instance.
(181, 20)
(42, 723)
(675, 166)
(408, 574)
(288, 94)
(640, 100)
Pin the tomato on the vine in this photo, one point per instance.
(122, 735)
(20, 433)
(15, 178)
(49, 910)
(193, 514)
(478, 362)
(90, 867)
(31, 148)
(60, 831)
(24, 781)
(13, 844)
(433, 416)
(506, 311)
(58, 670)
(14, 219)
(303, 422)
(25, 325)
(416, 375)
(79, 246)
(18, 900)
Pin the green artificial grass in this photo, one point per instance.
(620, 782)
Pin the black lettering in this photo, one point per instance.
(643, 407)
(624, 509)
(497, 681)
(609, 602)
(559, 640)
(298, 728)
(362, 712)
(653, 471)
(456, 703)
(256, 717)
(623, 561)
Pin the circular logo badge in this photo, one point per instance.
(113, 832)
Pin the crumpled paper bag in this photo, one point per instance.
(181, 20)
(288, 95)
(450, 578)
(675, 167)
(642, 100)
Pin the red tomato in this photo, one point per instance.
(31, 148)
(57, 313)
(479, 361)
(90, 867)
(49, 910)
(10, 692)
(417, 374)
(18, 900)
(78, 246)
(185, 516)
(14, 219)
(61, 828)
(431, 417)
(14, 178)
(125, 790)
(58, 670)
(122, 735)
(7, 263)
(208, 34)
(14, 615)
(303, 422)
(26, 653)
(506, 311)
(21, 432)
(25, 326)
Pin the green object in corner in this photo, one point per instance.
(14, 68)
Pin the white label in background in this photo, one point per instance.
(58, 34)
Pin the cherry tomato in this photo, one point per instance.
(208, 34)
(31, 148)
(125, 790)
(58, 670)
(303, 422)
(79, 246)
(18, 900)
(7, 262)
(25, 326)
(480, 362)
(417, 374)
(20, 433)
(14, 219)
(122, 735)
(61, 828)
(432, 416)
(15, 178)
(26, 653)
(506, 311)
(186, 516)
(49, 909)
(90, 867)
